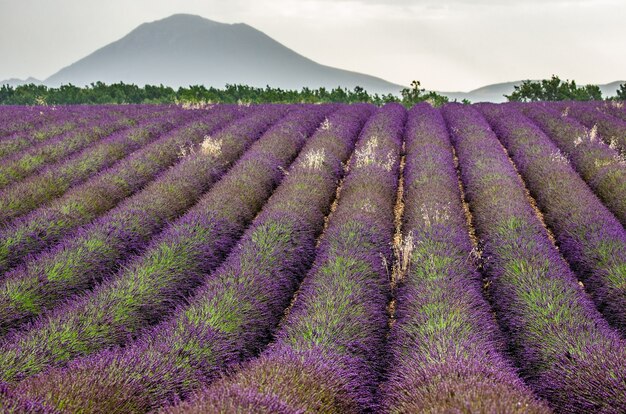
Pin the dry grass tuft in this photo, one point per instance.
(186, 150)
(326, 125)
(211, 146)
(530, 198)
(403, 252)
(557, 156)
(191, 106)
(367, 156)
(314, 159)
(469, 219)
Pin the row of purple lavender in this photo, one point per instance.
(328, 355)
(153, 254)
(236, 306)
(564, 348)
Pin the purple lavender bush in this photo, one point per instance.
(31, 160)
(45, 226)
(55, 179)
(447, 353)
(598, 164)
(610, 128)
(566, 351)
(97, 250)
(51, 122)
(40, 132)
(589, 236)
(18, 119)
(11, 403)
(149, 287)
(237, 307)
(614, 108)
(329, 354)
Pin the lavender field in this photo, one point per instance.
(306, 258)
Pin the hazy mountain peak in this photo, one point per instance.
(181, 21)
(185, 49)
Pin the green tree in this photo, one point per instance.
(415, 94)
(621, 92)
(6, 94)
(554, 89)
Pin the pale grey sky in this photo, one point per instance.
(447, 45)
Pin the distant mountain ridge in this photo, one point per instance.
(13, 82)
(496, 92)
(184, 50)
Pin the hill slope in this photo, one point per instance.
(496, 92)
(184, 49)
(14, 82)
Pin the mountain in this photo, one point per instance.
(610, 89)
(13, 82)
(184, 50)
(496, 92)
(489, 93)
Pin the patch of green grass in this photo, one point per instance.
(24, 299)
(225, 313)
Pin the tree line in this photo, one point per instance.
(554, 89)
(122, 93)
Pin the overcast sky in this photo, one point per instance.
(446, 44)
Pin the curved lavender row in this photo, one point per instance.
(174, 358)
(10, 403)
(446, 348)
(600, 166)
(329, 354)
(150, 286)
(565, 349)
(101, 247)
(589, 236)
(54, 180)
(17, 118)
(18, 141)
(66, 118)
(611, 129)
(43, 227)
(614, 108)
(31, 160)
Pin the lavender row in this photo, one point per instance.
(150, 286)
(31, 160)
(601, 167)
(590, 237)
(232, 314)
(54, 180)
(614, 108)
(564, 348)
(329, 354)
(18, 141)
(16, 119)
(48, 224)
(13, 404)
(53, 123)
(611, 129)
(98, 249)
(446, 349)
(62, 121)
